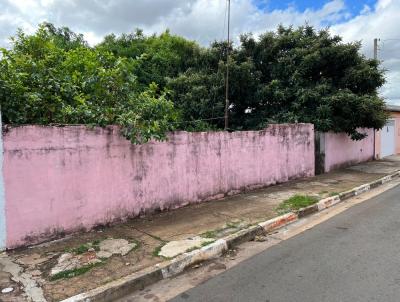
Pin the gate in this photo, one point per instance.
(388, 139)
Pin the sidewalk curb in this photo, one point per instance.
(121, 287)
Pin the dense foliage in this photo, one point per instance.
(54, 77)
(310, 76)
(153, 84)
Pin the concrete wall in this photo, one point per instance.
(341, 150)
(62, 179)
(2, 198)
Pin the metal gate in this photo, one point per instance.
(388, 144)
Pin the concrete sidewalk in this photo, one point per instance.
(78, 263)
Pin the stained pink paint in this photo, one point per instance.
(341, 150)
(61, 179)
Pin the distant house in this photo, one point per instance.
(387, 140)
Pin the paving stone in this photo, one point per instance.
(174, 248)
(66, 262)
(115, 247)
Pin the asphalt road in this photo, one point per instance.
(354, 256)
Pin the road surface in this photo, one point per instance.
(354, 256)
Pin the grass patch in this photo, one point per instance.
(137, 242)
(233, 225)
(209, 234)
(229, 225)
(74, 272)
(207, 243)
(296, 202)
(192, 249)
(83, 248)
(157, 250)
(333, 194)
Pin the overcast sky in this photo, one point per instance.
(204, 21)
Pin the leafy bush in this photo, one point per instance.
(153, 84)
(44, 81)
(296, 202)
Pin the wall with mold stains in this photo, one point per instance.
(340, 150)
(62, 179)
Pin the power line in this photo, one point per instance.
(226, 12)
(215, 84)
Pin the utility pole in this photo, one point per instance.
(227, 71)
(376, 49)
(376, 156)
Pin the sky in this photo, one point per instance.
(205, 21)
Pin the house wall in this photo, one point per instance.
(396, 117)
(341, 150)
(63, 179)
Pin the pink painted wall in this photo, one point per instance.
(62, 179)
(341, 150)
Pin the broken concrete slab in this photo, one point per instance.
(111, 247)
(107, 248)
(66, 262)
(174, 248)
(32, 291)
(69, 262)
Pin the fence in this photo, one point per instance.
(336, 150)
(62, 179)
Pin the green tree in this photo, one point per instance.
(54, 77)
(156, 57)
(289, 75)
(311, 76)
(200, 92)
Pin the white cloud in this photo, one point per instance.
(203, 20)
(381, 22)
